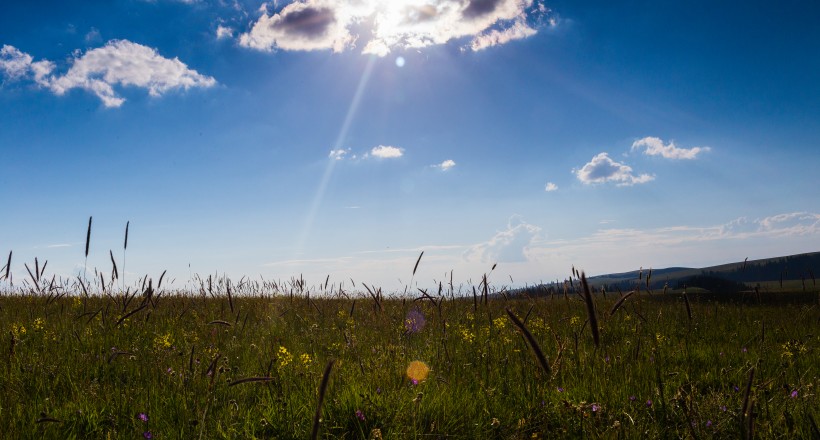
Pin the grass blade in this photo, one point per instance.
(536, 349)
(593, 320)
(322, 390)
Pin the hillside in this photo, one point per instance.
(795, 272)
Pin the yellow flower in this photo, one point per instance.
(284, 356)
(500, 323)
(38, 324)
(163, 341)
(306, 359)
(18, 330)
(466, 334)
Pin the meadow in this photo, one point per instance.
(247, 360)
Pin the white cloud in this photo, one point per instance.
(310, 25)
(511, 245)
(387, 152)
(495, 37)
(118, 63)
(602, 169)
(93, 36)
(653, 146)
(13, 63)
(338, 154)
(396, 24)
(446, 165)
(551, 187)
(223, 32)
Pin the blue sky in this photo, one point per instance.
(343, 138)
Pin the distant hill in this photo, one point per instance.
(795, 272)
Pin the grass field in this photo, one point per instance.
(173, 365)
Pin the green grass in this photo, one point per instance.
(69, 371)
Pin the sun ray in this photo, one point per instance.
(319, 196)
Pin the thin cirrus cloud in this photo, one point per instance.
(333, 25)
(118, 63)
(653, 146)
(602, 169)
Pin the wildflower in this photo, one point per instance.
(378, 390)
(595, 407)
(306, 359)
(360, 415)
(734, 387)
(708, 423)
(649, 403)
(376, 434)
(163, 341)
(147, 434)
(632, 398)
(38, 324)
(414, 321)
(744, 350)
(794, 394)
(560, 389)
(500, 323)
(723, 408)
(284, 356)
(143, 417)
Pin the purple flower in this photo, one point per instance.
(649, 403)
(143, 417)
(378, 390)
(734, 387)
(414, 381)
(147, 434)
(794, 394)
(632, 398)
(595, 407)
(560, 390)
(606, 359)
(414, 321)
(360, 415)
(723, 408)
(744, 350)
(708, 423)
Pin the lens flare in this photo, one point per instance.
(417, 371)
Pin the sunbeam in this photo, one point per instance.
(319, 196)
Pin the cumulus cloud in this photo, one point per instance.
(653, 146)
(223, 32)
(602, 169)
(311, 25)
(13, 63)
(446, 165)
(118, 63)
(511, 245)
(387, 152)
(551, 187)
(398, 24)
